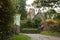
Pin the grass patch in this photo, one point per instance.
(30, 29)
(20, 37)
(50, 33)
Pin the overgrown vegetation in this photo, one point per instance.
(51, 33)
(22, 9)
(30, 25)
(7, 11)
(20, 37)
(6, 19)
(50, 14)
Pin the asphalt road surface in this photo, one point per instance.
(42, 37)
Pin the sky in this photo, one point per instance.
(29, 1)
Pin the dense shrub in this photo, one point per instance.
(30, 23)
(52, 25)
(56, 28)
(37, 22)
(6, 19)
(30, 30)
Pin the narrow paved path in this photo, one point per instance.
(41, 37)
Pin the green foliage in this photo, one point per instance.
(56, 28)
(30, 30)
(53, 26)
(37, 22)
(50, 33)
(20, 37)
(37, 1)
(19, 7)
(6, 19)
(22, 9)
(31, 23)
(26, 23)
(50, 13)
(46, 2)
(58, 16)
(30, 26)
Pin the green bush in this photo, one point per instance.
(37, 22)
(51, 33)
(30, 26)
(55, 27)
(30, 23)
(6, 19)
(30, 30)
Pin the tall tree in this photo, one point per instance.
(46, 3)
(50, 14)
(6, 19)
(22, 9)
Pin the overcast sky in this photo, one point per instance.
(29, 1)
